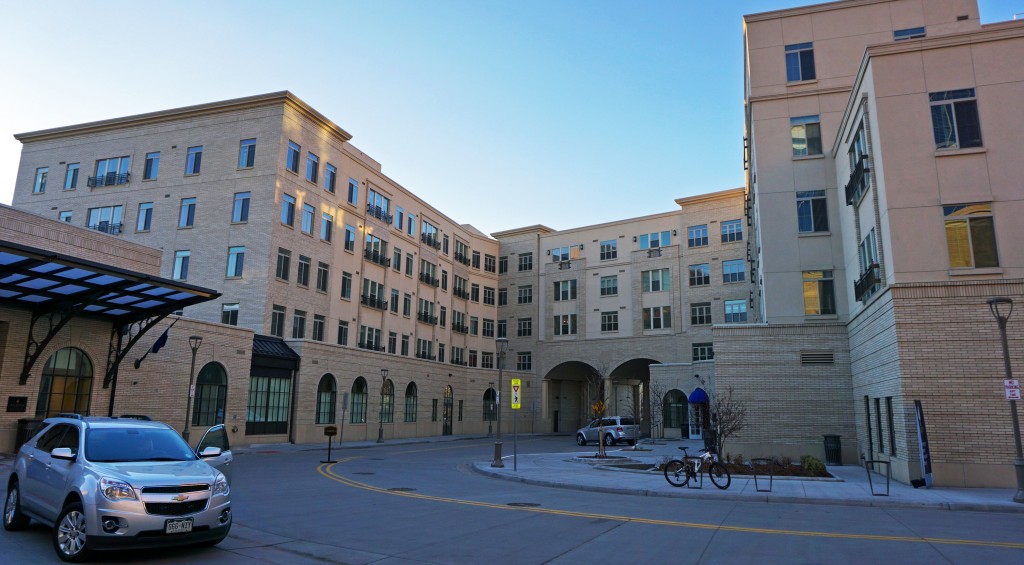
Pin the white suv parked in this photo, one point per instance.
(108, 483)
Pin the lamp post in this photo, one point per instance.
(490, 388)
(1001, 308)
(380, 414)
(502, 346)
(194, 342)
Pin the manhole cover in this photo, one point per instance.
(523, 504)
(401, 489)
(364, 473)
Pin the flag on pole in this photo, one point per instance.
(157, 345)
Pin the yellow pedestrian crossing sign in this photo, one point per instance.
(516, 392)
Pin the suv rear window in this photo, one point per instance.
(626, 421)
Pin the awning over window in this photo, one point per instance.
(698, 396)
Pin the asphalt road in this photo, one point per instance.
(420, 503)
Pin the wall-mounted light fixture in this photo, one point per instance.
(634, 239)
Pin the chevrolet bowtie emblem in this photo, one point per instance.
(180, 498)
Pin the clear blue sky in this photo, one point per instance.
(500, 114)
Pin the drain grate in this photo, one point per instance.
(376, 458)
(523, 504)
(401, 489)
(364, 473)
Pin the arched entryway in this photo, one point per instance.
(675, 418)
(699, 415)
(630, 394)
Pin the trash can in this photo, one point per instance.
(27, 427)
(833, 450)
(710, 441)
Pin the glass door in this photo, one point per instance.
(696, 418)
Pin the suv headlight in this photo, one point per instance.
(115, 490)
(220, 486)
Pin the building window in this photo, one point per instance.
(526, 294)
(700, 275)
(490, 263)
(476, 259)
(609, 321)
(703, 352)
(433, 410)
(326, 227)
(732, 230)
(524, 327)
(181, 260)
(326, 396)
(697, 236)
(700, 314)
(268, 408)
(342, 332)
(71, 177)
(892, 425)
(411, 397)
(909, 33)
(107, 219)
(656, 239)
(800, 62)
(408, 265)
(559, 254)
(187, 214)
(610, 285)
(488, 296)
(66, 383)
(732, 271)
(350, 238)
(609, 250)
(322, 276)
(405, 345)
(312, 168)
(307, 219)
(145, 220)
(565, 290)
(318, 327)
(277, 315)
(246, 153)
(526, 262)
(657, 280)
(353, 191)
(64, 216)
(236, 261)
(444, 244)
(357, 411)
(735, 311)
(502, 328)
(812, 211)
(502, 265)
(284, 259)
(330, 177)
(488, 328)
(565, 324)
(292, 160)
(111, 172)
(819, 293)
(970, 236)
(524, 361)
(40, 184)
(955, 122)
(193, 162)
(299, 324)
(657, 318)
(288, 210)
(878, 424)
(502, 297)
(805, 133)
(240, 210)
(474, 293)
(211, 396)
(407, 306)
(152, 168)
(302, 275)
(229, 314)
(346, 285)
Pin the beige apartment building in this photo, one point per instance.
(883, 176)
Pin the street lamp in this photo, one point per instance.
(380, 415)
(1001, 308)
(194, 342)
(490, 416)
(502, 346)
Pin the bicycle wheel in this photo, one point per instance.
(675, 473)
(719, 475)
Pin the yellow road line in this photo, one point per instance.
(327, 471)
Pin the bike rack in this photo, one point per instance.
(888, 475)
(763, 462)
(689, 463)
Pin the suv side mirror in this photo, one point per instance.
(62, 453)
(210, 452)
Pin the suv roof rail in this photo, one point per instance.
(135, 417)
(69, 415)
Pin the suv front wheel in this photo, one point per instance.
(13, 518)
(69, 539)
(581, 440)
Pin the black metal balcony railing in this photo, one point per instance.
(377, 257)
(460, 293)
(564, 265)
(867, 284)
(107, 227)
(656, 252)
(432, 281)
(379, 213)
(370, 345)
(463, 363)
(858, 183)
(109, 179)
(461, 258)
(430, 240)
(460, 328)
(426, 318)
(425, 355)
(373, 302)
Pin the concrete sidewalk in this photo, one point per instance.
(850, 485)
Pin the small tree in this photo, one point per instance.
(598, 411)
(657, 391)
(595, 398)
(730, 415)
(634, 410)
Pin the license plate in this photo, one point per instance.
(178, 526)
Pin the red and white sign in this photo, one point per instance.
(1012, 389)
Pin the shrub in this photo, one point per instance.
(785, 461)
(812, 464)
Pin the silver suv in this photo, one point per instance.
(615, 429)
(109, 483)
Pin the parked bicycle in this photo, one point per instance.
(678, 472)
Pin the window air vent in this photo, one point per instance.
(817, 358)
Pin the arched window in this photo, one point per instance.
(410, 402)
(66, 385)
(358, 414)
(326, 395)
(387, 402)
(490, 405)
(674, 409)
(211, 395)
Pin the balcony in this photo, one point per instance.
(109, 179)
(867, 284)
(564, 265)
(427, 279)
(373, 302)
(430, 240)
(459, 293)
(461, 258)
(379, 213)
(425, 355)
(377, 257)
(858, 184)
(460, 328)
(107, 227)
(371, 346)
(426, 318)
(656, 252)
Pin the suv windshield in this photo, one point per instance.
(119, 445)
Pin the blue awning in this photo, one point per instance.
(698, 396)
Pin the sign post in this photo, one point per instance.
(330, 432)
(517, 403)
(1011, 387)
